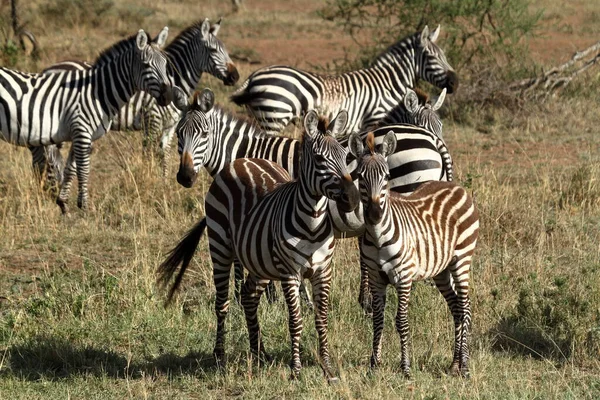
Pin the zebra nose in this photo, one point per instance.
(451, 81)
(166, 95)
(232, 75)
(349, 198)
(186, 176)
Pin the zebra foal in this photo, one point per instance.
(277, 95)
(73, 105)
(429, 234)
(279, 230)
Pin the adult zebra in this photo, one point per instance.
(277, 95)
(211, 137)
(279, 230)
(194, 51)
(78, 106)
(429, 234)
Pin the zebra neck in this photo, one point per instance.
(240, 138)
(114, 85)
(382, 232)
(312, 206)
(188, 70)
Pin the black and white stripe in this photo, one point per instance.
(279, 229)
(78, 106)
(429, 234)
(277, 95)
(194, 51)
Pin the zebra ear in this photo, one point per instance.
(141, 39)
(215, 28)
(355, 145)
(439, 101)
(161, 39)
(338, 125)
(434, 35)
(424, 35)
(311, 120)
(389, 144)
(411, 101)
(205, 100)
(180, 99)
(205, 29)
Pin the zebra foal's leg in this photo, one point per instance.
(238, 280)
(403, 288)
(378, 285)
(290, 286)
(460, 275)
(321, 284)
(251, 292)
(63, 197)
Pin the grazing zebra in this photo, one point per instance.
(210, 137)
(277, 95)
(429, 234)
(194, 51)
(78, 106)
(279, 229)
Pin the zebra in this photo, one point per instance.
(279, 230)
(277, 95)
(411, 111)
(211, 137)
(194, 51)
(429, 234)
(42, 109)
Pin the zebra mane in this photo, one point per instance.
(371, 142)
(251, 122)
(187, 32)
(397, 47)
(323, 123)
(115, 50)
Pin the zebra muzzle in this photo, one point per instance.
(186, 176)
(166, 95)
(232, 75)
(349, 198)
(373, 213)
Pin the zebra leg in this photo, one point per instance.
(305, 296)
(321, 284)
(48, 166)
(238, 280)
(290, 288)
(364, 296)
(165, 146)
(460, 276)
(251, 292)
(82, 147)
(378, 286)
(63, 197)
(443, 282)
(271, 292)
(222, 257)
(403, 289)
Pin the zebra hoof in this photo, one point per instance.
(219, 356)
(64, 208)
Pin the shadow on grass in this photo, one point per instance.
(516, 338)
(55, 359)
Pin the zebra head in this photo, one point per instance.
(424, 115)
(373, 173)
(193, 133)
(150, 67)
(431, 61)
(324, 162)
(219, 63)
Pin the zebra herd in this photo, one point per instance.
(369, 165)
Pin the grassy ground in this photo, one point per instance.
(80, 316)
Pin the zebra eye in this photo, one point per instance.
(319, 158)
(387, 177)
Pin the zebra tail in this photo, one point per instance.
(181, 254)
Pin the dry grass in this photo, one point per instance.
(81, 316)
